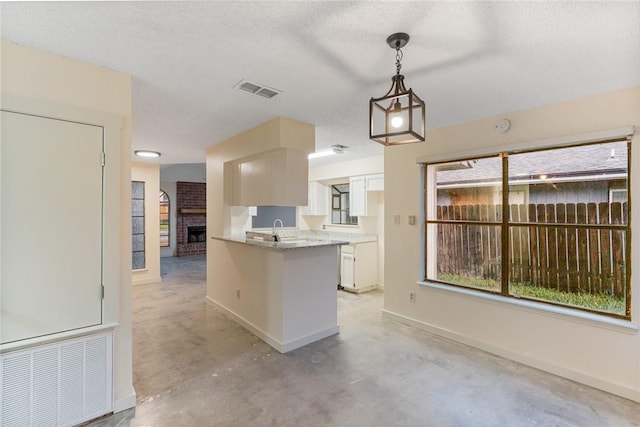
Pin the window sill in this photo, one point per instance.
(565, 313)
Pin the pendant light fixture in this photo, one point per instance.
(397, 117)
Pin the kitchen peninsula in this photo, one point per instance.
(284, 292)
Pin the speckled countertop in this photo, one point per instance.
(302, 239)
(293, 243)
(350, 238)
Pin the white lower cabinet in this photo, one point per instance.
(358, 266)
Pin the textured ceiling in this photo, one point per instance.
(468, 60)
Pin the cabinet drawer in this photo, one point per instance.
(348, 249)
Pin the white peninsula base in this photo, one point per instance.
(286, 296)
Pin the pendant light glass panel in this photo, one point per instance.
(397, 119)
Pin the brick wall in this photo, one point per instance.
(190, 195)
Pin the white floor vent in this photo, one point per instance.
(61, 384)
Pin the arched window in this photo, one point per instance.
(164, 219)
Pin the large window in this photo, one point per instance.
(164, 219)
(549, 225)
(340, 205)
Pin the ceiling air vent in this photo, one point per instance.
(257, 89)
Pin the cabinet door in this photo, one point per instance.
(255, 186)
(347, 270)
(375, 182)
(318, 199)
(357, 196)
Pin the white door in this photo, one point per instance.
(51, 226)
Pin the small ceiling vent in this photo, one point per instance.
(257, 89)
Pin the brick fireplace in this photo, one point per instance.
(191, 203)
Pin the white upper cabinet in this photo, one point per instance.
(318, 202)
(375, 182)
(277, 178)
(361, 202)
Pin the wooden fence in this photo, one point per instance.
(565, 255)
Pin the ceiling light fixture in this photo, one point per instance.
(324, 153)
(397, 117)
(147, 153)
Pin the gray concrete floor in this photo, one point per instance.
(195, 367)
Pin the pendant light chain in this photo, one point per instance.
(398, 58)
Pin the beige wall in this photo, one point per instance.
(602, 354)
(56, 80)
(150, 175)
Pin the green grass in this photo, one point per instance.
(600, 301)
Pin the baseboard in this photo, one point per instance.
(380, 286)
(360, 290)
(145, 280)
(300, 342)
(580, 377)
(276, 344)
(124, 403)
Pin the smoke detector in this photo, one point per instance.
(257, 89)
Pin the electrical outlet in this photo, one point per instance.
(412, 296)
(238, 293)
(396, 219)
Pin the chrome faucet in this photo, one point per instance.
(274, 228)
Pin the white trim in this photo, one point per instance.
(623, 132)
(124, 403)
(60, 336)
(146, 280)
(543, 365)
(38, 107)
(300, 342)
(540, 308)
(282, 347)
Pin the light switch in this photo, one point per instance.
(412, 220)
(396, 219)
